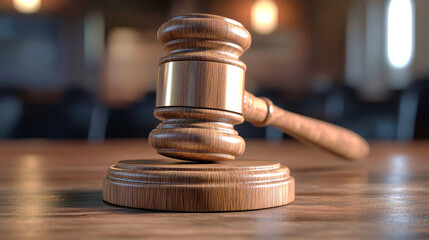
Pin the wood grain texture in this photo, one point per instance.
(173, 185)
(52, 190)
(204, 37)
(334, 139)
(199, 134)
(202, 70)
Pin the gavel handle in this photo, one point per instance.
(334, 139)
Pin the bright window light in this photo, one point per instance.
(400, 31)
(264, 16)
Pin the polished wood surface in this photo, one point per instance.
(198, 134)
(202, 70)
(52, 190)
(204, 37)
(334, 139)
(174, 185)
(200, 88)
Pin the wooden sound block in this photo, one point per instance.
(173, 185)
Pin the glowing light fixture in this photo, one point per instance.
(27, 6)
(400, 32)
(264, 16)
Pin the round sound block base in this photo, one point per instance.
(173, 185)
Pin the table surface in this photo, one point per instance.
(52, 190)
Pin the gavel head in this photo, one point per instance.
(200, 88)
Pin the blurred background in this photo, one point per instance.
(87, 69)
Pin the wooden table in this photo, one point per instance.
(53, 190)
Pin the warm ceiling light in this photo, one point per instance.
(264, 16)
(27, 6)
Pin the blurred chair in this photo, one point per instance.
(10, 113)
(135, 121)
(340, 103)
(98, 124)
(374, 120)
(67, 119)
(77, 108)
(413, 116)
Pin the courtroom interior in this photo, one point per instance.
(266, 119)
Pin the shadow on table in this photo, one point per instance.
(92, 200)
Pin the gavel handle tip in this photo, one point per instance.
(334, 139)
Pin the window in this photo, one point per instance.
(400, 33)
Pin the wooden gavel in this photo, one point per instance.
(201, 96)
